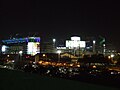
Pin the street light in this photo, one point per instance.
(54, 40)
(112, 56)
(45, 56)
(20, 53)
(54, 45)
(18, 60)
(59, 51)
(104, 49)
(94, 42)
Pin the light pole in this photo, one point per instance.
(54, 40)
(112, 56)
(59, 51)
(54, 45)
(94, 42)
(45, 56)
(104, 49)
(20, 53)
(18, 60)
(79, 50)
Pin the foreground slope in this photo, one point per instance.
(17, 80)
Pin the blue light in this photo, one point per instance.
(26, 39)
(21, 40)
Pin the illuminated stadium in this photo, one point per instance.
(28, 45)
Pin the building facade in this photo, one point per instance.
(28, 45)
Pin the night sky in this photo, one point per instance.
(61, 20)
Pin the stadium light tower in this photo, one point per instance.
(20, 53)
(94, 42)
(59, 52)
(54, 45)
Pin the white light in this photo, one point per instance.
(61, 47)
(59, 51)
(44, 55)
(109, 57)
(30, 47)
(20, 52)
(3, 48)
(54, 40)
(104, 45)
(112, 55)
(94, 41)
(33, 48)
(13, 60)
(75, 38)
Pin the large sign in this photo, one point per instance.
(4, 48)
(33, 48)
(75, 44)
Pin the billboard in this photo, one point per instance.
(4, 48)
(33, 48)
(75, 44)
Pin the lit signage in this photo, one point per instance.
(33, 48)
(4, 48)
(75, 44)
(61, 47)
(82, 44)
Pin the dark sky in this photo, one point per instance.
(61, 20)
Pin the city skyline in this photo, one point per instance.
(61, 21)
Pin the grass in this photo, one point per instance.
(17, 80)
